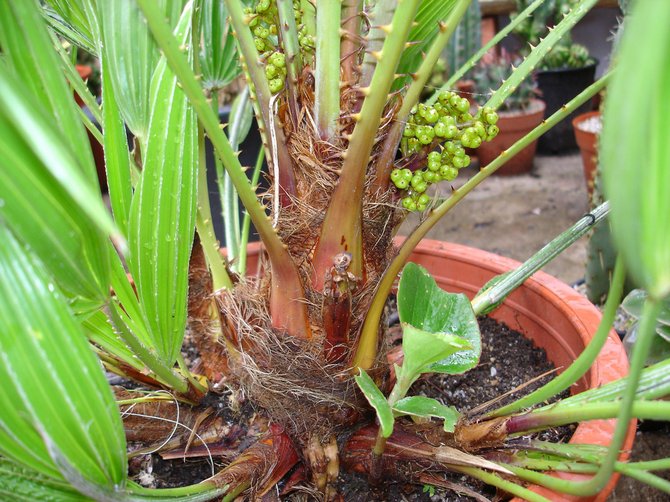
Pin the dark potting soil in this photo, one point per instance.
(508, 361)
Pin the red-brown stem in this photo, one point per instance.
(336, 324)
(351, 28)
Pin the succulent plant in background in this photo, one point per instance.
(491, 73)
(565, 54)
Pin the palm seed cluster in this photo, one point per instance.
(448, 125)
(263, 24)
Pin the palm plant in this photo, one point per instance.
(350, 152)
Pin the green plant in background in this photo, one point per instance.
(488, 76)
(335, 88)
(466, 40)
(633, 305)
(565, 54)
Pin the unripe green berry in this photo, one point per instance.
(491, 118)
(276, 85)
(451, 132)
(430, 115)
(492, 131)
(479, 129)
(263, 5)
(270, 71)
(448, 173)
(260, 44)
(402, 184)
(409, 131)
(409, 204)
(428, 176)
(407, 175)
(423, 199)
(449, 148)
(463, 105)
(413, 145)
(396, 175)
(278, 59)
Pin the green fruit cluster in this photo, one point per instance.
(449, 125)
(264, 26)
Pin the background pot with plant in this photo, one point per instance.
(351, 151)
(566, 70)
(519, 115)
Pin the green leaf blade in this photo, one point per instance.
(423, 305)
(39, 207)
(377, 401)
(55, 393)
(421, 406)
(218, 55)
(162, 219)
(634, 149)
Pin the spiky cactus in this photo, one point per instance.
(467, 39)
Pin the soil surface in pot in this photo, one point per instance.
(508, 360)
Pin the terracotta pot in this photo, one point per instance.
(513, 126)
(552, 314)
(84, 72)
(587, 142)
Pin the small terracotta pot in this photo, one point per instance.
(513, 126)
(550, 313)
(587, 142)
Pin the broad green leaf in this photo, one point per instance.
(100, 331)
(421, 406)
(63, 147)
(634, 147)
(57, 412)
(218, 54)
(38, 177)
(426, 352)
(634, 302)
(377, 401)
(33, 61)
(117, 156)
(425, 306)
(69, 32)
(130, 54)
(162, 215)
(424, 31)
(74, 13)
(20, 484)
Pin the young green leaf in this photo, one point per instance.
(377, 401)
(130, 55)
(634, 147)
(57, 412)
(426, 352)
(634, 302)
(162, 214)
(422, 304)
(218, 55)
(425, 29)
(421, 406)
